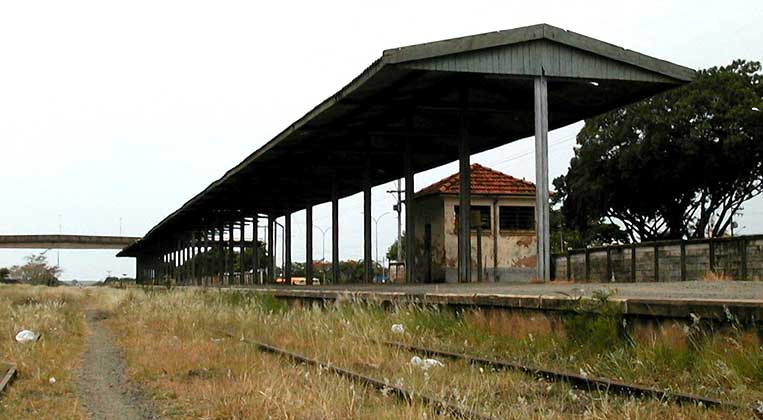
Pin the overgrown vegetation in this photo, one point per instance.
(196, 371)
(176, 350)
(57, 314)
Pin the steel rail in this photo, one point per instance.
(8, 375)
(583, 381)
(401, 393)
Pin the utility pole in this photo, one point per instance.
(398, 208)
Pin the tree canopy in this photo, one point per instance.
(680, 164)
(37, 271)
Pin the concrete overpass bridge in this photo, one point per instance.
(65, 241)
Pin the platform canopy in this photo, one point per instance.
(413, 97)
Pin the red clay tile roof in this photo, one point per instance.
(484, 181)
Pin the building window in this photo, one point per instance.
(516, 218)
(484, 212)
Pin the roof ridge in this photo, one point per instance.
(484, 180)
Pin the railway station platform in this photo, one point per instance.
(715, 300)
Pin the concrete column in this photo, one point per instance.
(255, 250)
(309, 245)
(287, 247)
(541, 180)
(271, 249)
(367, 256)
(334, 230)
(464, 205)
(410, 211)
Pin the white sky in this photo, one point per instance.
(114, 110)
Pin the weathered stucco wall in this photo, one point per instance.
(429, 211)
(509, 256)
(737, 258)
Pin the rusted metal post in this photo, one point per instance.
(309, 245)
(334, 230)
(541, 179)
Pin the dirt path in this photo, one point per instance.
(103, 389)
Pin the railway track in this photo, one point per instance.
(581, 381)
(403, 394)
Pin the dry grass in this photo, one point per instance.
(172, 346)
(716, 276)
(57, 314)
(174, 350)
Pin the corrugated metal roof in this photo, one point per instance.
(409, 96)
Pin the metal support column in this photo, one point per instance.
(194, 249)
(241, 253)
(410, 224)
(222, 260)
(541, 179)
(334, 231)
(309, 245)
(271, 250)
(287, 247)
(255, 251)
(464, 205)
(229, 255)
(205, 260)
(367, 256)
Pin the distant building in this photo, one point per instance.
(506, 207)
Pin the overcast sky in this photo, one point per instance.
(125, 110)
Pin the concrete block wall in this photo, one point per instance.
(735, 258)
(755, 259)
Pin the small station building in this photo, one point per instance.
(503, 244)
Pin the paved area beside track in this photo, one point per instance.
(721, 300)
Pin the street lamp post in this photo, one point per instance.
(323, 250)
(376, 226)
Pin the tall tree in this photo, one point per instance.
(679, 164)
